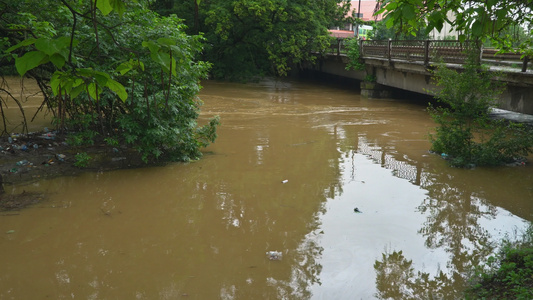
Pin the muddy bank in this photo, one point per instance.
(27, 158)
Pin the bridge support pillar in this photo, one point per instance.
(374, 90)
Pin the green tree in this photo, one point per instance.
(382, 32)
(253, 38)
(354, 55)
(111, 69)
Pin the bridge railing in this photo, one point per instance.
(426, 51)
(416, 50)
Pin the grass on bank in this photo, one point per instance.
(508, 275)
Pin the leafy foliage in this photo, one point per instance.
(354, 55)
(466, 135)
(396, 279)
(113, 68)
(82, 160)
(383, 32)
(509, 275)
(253, 38)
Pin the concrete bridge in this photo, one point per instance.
(406, 65)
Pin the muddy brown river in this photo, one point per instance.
(293, 161)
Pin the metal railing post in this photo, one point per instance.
(426, 52)
(524, 64)
(389, 49)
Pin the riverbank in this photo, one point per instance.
(36, 156)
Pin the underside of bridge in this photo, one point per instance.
(415, 77)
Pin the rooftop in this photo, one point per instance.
(341, 33)
(367, 9)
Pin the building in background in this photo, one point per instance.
(364, 10)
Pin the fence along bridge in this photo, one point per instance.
(406, 64)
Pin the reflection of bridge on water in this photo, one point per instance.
(401, 169)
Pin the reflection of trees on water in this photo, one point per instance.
(305, 272)
(396, 279)
(452, 224)
(262, 214)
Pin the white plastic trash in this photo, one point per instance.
(274, 255)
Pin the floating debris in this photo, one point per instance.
(274, 255)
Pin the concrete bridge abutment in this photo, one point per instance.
(415, 76)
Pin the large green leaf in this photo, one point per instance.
(408, 12)
(163, 59)
(118, 6)
(153, 47)
(477, 28)
(102, 78)
(124, 67)
(52, 46)
(94, 90)
(29, 61)
(76, 91)
(104, 6)
(58, 60)
(24, 43)
(55, 82)
(118, 89)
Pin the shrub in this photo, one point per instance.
(466, 134)
(509, 275)
(82, 160)
(354, 55)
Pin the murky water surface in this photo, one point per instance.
(23, 93)
(292, 162)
